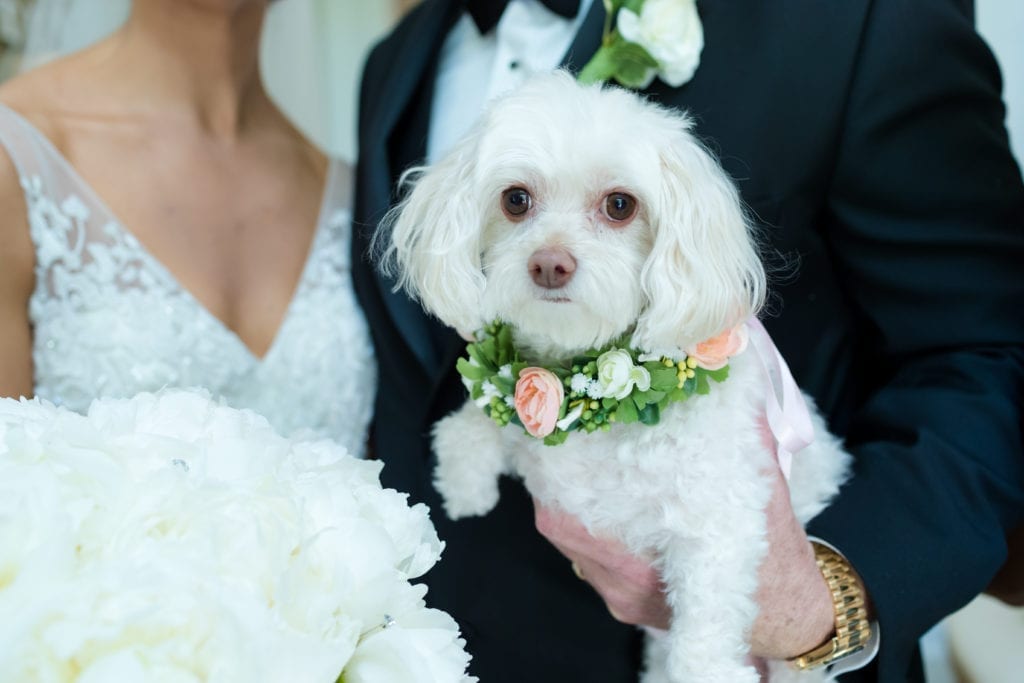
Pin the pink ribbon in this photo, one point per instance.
(788, 417)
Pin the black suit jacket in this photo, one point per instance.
(867, 137)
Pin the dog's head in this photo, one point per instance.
(578, 214)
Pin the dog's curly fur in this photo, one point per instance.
(690, 491)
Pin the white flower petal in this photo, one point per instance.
(570, 417)
(671, 32)
(169, 538)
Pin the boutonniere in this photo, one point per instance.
(593, 390)
(644, 39)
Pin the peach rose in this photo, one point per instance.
(538, 399)
(714, 353)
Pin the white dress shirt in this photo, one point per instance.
(475, 68)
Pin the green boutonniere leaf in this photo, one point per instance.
(619, 60)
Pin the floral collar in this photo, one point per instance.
(591, 391)
(644, 39)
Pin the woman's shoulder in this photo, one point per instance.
(36, 95)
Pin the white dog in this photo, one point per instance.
(579, 216)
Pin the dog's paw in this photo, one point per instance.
(469, 462)
(458, 505)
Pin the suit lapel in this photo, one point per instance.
(397, 119)
(588, 40)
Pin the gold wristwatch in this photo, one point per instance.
(852, 627)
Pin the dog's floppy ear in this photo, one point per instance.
(430, 243)
(704, 274)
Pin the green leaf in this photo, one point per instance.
(583, 360)
(650, 415)
(627, 413)
(719, 375)
(703, 386)
(601, 67)
(563, 409)
(517, 368)
(488, 351)
(478, 352)
(556, 438)
(662, 378)
(504, 385)
(504, 345)
(609, 403)
(679, 394)
(477, 391)
(650, 396)
(632, 63)
(632, 5)
(561, 373)
(472, 372)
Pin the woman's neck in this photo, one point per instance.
(190, 60)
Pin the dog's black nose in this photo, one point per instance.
(551, 267)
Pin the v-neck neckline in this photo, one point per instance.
(112, 219)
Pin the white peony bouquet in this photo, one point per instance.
(168, 538)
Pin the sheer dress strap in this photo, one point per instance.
(27, 149)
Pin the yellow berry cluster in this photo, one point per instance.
(594, 416)
(687, 369)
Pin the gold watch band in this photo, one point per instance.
(852, 628)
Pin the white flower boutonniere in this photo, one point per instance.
(650, 38)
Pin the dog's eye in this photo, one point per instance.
(515, 202)
(619, 206)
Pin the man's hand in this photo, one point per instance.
(629, 586)
(796, 607)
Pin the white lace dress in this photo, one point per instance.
(110, 320)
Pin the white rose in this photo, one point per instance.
(617, 375)
(670, 30)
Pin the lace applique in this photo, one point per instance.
(110, 320)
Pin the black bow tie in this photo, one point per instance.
(486, 13)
